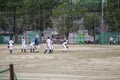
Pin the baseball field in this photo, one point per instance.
(80, 62)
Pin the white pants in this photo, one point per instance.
(31, 46)
(65, 47)
(10, 46)
(49, 47)
(23, 46)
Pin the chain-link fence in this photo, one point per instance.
(104, 37)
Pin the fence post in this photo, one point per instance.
(11, 72)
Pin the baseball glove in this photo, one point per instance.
(8, 46)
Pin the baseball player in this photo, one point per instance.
(23, 45)
(10, 45)
(37, 44)
(32, 49)
(49, 45)
(64, 44)
(111, 40)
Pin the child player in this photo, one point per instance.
(32, 49)
(23, 45)
(49, 45)
(65, 45)
(10, 45)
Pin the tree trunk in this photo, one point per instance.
(14, 24)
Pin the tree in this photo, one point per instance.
(91, 22)
(68, 10)
(112, 15)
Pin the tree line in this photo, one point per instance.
(17, 16)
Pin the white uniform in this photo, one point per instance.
(23, 44)
(111, 40)
(32, 48)
(11, 42)
(32, 45)
(64, 45)
(49, 46)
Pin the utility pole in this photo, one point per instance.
(94, 26)
(94, 23)
(102, 26)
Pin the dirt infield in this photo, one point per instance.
(80, 62)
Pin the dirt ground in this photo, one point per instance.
(80, 62)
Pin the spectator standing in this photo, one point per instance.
(111, 40)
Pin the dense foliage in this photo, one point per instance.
(18, 16)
